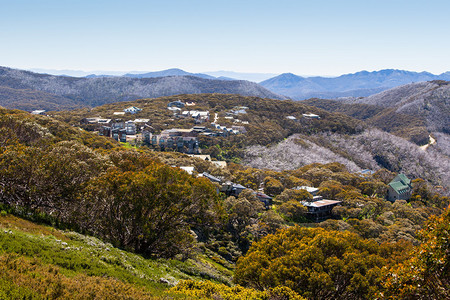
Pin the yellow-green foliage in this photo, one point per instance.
(316, 263)
(66, 262)
(426, 274)
(30, 278)
(210, 290)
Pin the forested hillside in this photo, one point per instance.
(181, 230)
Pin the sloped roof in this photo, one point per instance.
(404, 179)
(399, 187)
(400, 184)
(320, 203)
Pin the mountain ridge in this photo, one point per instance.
(90, 92)
(363, 83)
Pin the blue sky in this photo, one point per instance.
(321, 37)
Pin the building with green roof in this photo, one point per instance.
(399, 188)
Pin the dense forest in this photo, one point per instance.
(215, 246)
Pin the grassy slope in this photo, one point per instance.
(43, 262)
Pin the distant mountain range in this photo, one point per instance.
(64, 92)
(360, 84)
(222, 75)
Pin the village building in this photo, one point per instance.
(312, 190)
(93, 120)
(400, 188)
(237, 110)
(119, 134)
(176, 103)
(105, 131)
(130, 127)
(132, 110)
(174, 109)
(141, 121)
(199, 116)
(211, 178)
(146, 136)
(104, 122)
(181, 140)
(38, 112)
(118, 123)
(267, 200)
(189, 169)
(238, 129)
(321, 209)
(220, 163)
(311, 116)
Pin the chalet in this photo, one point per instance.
(177, 103)
(132, 110)
(105, 131)
(174, 109)
(146, 136)
(130, 127)
(232, 189)
(311, 116)
(178, 132)
(239, 129)
(220, 163)
(38, 112)
(237, 110)
(211, 178)
(118, 123)
(320, 209)
(91, 120)
(400, 188)
(267, 200)
(180, 140)
(105, 122)
(312, 190)
(141, 121)
(190, 170)
(119, 134)
(199, 116)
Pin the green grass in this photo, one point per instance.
(74, 254)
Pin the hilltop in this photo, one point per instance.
(63, 92)
(360, 84)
